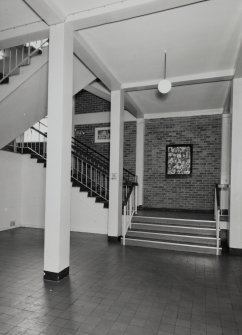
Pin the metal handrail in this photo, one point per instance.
(24, 60)
(129, 209)
(87, 171)
(100, 155)
(218, 211)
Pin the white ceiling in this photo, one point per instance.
(15, 13)
(198, 38)
(183, 98)
(74, 6)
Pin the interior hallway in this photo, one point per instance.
(116, 290)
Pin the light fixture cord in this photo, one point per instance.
(165, 66)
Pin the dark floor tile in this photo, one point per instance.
(116, 290)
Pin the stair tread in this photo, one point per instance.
(152, 240)
(200, 227)
(171, 233)
(171, 218)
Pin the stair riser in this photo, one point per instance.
(177, 222)
(164, 229)
(178, 238)
(149, 244)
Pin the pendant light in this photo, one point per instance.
(164, 85)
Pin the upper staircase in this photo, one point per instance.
(24, 87)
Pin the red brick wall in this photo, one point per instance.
(197, 191)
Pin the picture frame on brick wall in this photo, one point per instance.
(102, 134)
(179, 160)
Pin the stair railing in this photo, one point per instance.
(129, 207)
(93, 178)
(221, 190)
(88, 167)
(32, 140)
(97, 158)
(18, 52)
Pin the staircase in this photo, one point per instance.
(16, 57)
(89, 169)
(173, 234)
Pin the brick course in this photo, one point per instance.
(195, 192)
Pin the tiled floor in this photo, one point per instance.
(115, 290)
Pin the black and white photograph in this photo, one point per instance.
(120, 167)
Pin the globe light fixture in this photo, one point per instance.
(164, 85)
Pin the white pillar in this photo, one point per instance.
(235, 234)
(225, 158)
(140, 158)
(57, 208)
(226, 148)
(116, 164)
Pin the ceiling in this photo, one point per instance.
(15, 13)
(183, 98)
(201, 38)
(74, 6)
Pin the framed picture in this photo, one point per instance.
(178, 160)
(102, 135)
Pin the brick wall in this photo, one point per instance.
(197, 191)
(88, 137)
(86, 102)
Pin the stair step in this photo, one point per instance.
(174, 228)
(174, 221)
(169, 245)
(172, 237)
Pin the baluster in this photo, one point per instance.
(77, 168)
(29, 53)
(14, 146)
(22, 143)
(105, 186)
(22, 54)
(86, 174)
(16, 55)
(124, 224)
(4, 61)
(10, 60)
(136, 198)
(91, 176)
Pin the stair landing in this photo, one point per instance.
(181, 231)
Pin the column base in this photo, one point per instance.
(56, 276)
(114, 239)
(235, 251)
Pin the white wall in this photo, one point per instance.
(10, 191)
(86, 215)
(33, 193)
(22, 197)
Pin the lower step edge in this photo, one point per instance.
(176, 246)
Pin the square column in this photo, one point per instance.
(116, 165)
(140, 158)
(235, 232)
(58, 172)
(225, 160)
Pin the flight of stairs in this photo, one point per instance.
(75, 183)
(18, 53)
(173, 234)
